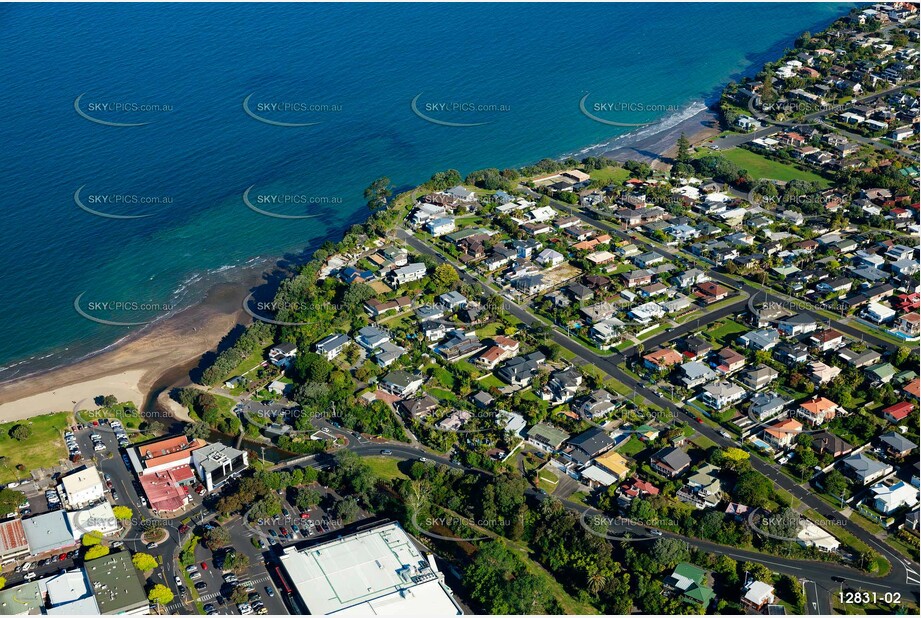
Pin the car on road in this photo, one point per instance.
(209, 607)
(178, 581)
(30, 576)
(386, 452)
(152, 545)
(204, 566)
(270, 591)
(115, 495)
(201, 586)
(423, 459)
(654, 532)
(725, 434)
(184, 528)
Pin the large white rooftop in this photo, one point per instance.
(373, 572)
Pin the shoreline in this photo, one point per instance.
(133, 367)
(141, 365)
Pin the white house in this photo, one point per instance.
(82, 487)
(549, 258)
(410, 272)
(332, 346)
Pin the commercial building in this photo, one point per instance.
(216, 463)
(48, 532)
(117, 585)
(379, 571)
(13, 543)
(82, 487)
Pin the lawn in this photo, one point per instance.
(631, 447)
(762, 167)
(726, 331)
(385, 468)
(44, 448)
(490, 381)
(610, 175)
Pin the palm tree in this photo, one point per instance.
(597, 582)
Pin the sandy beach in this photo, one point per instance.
(130, 370)
(163, 354)
(658, 149)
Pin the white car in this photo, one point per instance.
(30, 576)
(178, 581)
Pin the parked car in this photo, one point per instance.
(201, 586)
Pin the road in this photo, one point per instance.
(903, 576)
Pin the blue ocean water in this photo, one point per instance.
(362, 65)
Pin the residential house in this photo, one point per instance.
(597, 404)
(721, 394)
(695, 373)
(783, 433)
(606, 333)
(703, 488)
(636, 278)
(689, 582)
(518, 371)
(757, 595)
(661, 359)
(887, 499)
(826, 442)
(418, 407)
(546, 437)
(710, 292)
(695, 347)
(562, 386)
(589, 444)
(371, 338)
(635, 488)
(880, 373)
(820, 373)
(401, 383)
(332, 346)
(817, 410)
(864, 469)
(896, 446)
(791, 354)
(670, 462)
(763, 406)
(827, 339)
(859, 360)
(763, 339)
(283, 354)
(758, 377)
(408, 273)
(729, 361)
(898, 412)
(549, 258)
(796, 325)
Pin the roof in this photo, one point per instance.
(81, 480)
(599, 475)
(162, 488)
(400, 378)
(48, 531)
(26, 598)
(673, 457)
(664, 357)
(548, 433)
(899, 410)
(863, 465)
(591, 440)
(372, 572)
(213, 456)
(116, 583)
(616, 463)
(12, 537)
(785, 428)
(897, 442)
(817, 405)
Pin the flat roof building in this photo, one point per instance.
(117, 585)
(216, 463)
(373, 572)
(48, 532)
(82, 487)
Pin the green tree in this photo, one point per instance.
(96, 551)
(236, 561)
(144, 562)
(20, 432)
(445, 276)
(306, 498)
(122, 513)
(377, 194)
(684, 150)
(239, 595)
(668, 552)
(216, 537)
(835, 484)
(346, 510)
(109, 400)
(91, 538)
(160, 594)
(10, 499)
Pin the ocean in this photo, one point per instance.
(133, 131)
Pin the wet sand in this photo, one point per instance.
(131, 370)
